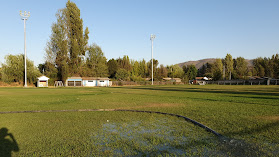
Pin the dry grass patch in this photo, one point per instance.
(153, 105)
(269, 118)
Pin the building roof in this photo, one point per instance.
(74, 78)
(43, 78)
(95, 78)
(202, 78)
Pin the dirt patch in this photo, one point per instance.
(151, 105)
(273, 118)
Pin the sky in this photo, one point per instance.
(185, 29)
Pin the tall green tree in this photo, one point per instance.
(217, 69)
(163, 72)
(143, 70)
(77, 40)
(259, 70)
(149, 66)
(122, 74)
(175, 71)
(190, 71)
(228, 62)
(13, 69)
(96, 62)
(112, 68)
(125, 63)
(68, 43)
(275, 65)
(240, 67)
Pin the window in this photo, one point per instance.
(90, 81)
(102, 81)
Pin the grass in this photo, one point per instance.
(247, 115)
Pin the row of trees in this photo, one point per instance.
(238, 68)
(69, 54)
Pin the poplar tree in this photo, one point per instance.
(228, 62)
(77, 40)
(68, 43)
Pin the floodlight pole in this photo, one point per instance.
(24, 17)
(152, 37)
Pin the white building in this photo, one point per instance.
(42, 81)
(88, 82)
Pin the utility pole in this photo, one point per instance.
(152, 37)
(24, 17)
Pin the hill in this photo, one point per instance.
(198, 64)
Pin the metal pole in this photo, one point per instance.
(25, 78)
(152, 37)
(24, 17)
(152, 58)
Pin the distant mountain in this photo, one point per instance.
(198, 64)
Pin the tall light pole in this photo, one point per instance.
(24, 16)
(152, 37)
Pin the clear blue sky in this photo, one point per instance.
(185, 29)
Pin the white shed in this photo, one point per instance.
(42, 81)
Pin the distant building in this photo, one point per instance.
(200, 80)
(177, 80)
(88, 82)
(42, 81)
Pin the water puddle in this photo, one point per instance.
(165, 137)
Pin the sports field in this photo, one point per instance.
(246, 116)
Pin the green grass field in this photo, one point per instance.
(246, 115)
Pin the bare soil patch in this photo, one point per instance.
(273, 118)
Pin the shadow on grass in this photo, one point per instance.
(254, 130)
(203, 90)
(7, 143)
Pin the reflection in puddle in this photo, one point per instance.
(165, 137)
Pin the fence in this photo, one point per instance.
(137, 83)
(246, 82)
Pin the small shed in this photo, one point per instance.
(42, 81)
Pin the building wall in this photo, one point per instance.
(89, 83)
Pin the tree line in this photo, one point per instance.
(68, 53)
(237, 68)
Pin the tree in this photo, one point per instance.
(0, 74)
(96, 62)
(258, 67)
(162, 72)
(68, 43)
(275, 64)
(240, 67)
(143, 70)
(13, 69)
(201, 71)
(228, 62)
(217, 69)
(149, 66)
(77, 40)
(124, 63)
(175, 71)
(122, 74)
(190, 71)
(112, 68)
